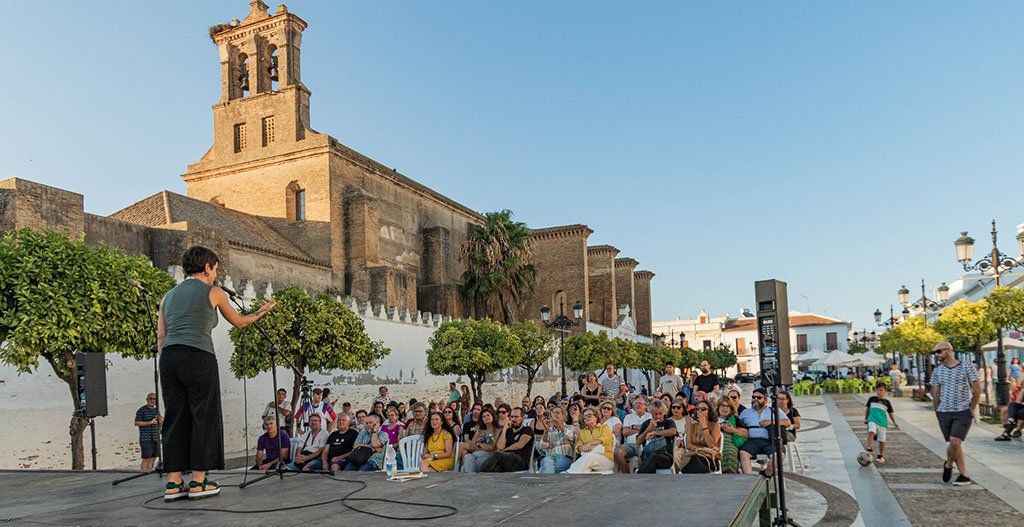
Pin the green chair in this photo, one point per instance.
(816, 389)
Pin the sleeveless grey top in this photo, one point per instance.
(188, 315)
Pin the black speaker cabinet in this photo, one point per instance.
(91, 373)
(773, 332)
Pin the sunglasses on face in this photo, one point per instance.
(757, 398)
(502, 412)
(677, 407)
(734, 397)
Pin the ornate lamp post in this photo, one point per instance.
(994, 263)
(891, 323)
(562, 323)
(925, 305)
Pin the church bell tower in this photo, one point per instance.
(263, 102)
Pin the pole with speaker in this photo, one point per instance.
(91, 383)
(776, 369)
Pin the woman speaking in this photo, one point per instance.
(193, 430)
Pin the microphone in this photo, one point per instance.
(227, 290)
(135, 283)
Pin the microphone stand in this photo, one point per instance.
(159, 469)
(274, 351)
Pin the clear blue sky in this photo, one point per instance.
(838, 146)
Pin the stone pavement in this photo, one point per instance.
(833, 489)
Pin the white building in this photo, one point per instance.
(807, 331)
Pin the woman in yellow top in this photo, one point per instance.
(439, 450)
(595, 445)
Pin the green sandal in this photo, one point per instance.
(171, 496)
(205, 489)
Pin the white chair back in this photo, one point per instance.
(721, 445)
(411, 448)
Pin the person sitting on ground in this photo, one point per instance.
(557, 443)
(267, 452)
(452, 421)
(513, 445)
(475, 451)
(732, 441)
(418, 423)
(339, 444)
(756, 421)
(360, 420)
(312, 443)
(373, 438)
(631, 428)
(700, 453)
(1014, 415)
(438, 445)
(658, 438)
(592, 391)
(786, 405)
(610, 418)
(594, 444)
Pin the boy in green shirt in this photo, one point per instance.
(877, 414)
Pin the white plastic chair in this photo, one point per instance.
(455, 453)
(793, 449)
(721, 445)
(411, 449)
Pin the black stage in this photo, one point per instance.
(88, 499)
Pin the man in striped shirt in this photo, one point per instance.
(557, 444)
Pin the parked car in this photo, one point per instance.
(747, 378)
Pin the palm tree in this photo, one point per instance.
(500, 273)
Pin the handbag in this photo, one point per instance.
(359, 455)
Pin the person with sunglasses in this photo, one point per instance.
(734, 396)
(756, 420)
(452, 420)
(955, 394)
(700, 453)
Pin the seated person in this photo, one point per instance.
(1014, 416)
(311, 447)
(700, 453)
(658, 439)
(475, 451)
(438, 445)
(594, 444)
(373, 438)
(339, 444)
(757, 419)
(631, 427)
(267, 452)
(513, 445)
(557, 442)
(733, 442)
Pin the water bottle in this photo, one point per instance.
(390, 459)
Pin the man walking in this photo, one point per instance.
(955, 394)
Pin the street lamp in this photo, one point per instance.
(994, 263)
(562, 323)
(891, 323)
(925, 305)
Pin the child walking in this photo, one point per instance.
(877, 415)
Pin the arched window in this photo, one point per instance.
(272, 67)
(295, 202)
(243, 74)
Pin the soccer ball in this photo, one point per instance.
(865, 458)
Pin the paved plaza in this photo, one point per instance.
(834, 490)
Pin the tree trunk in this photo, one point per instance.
(530, 374)
(477, 385)
(649, 385)
(78, 424)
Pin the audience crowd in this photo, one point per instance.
(694, 425)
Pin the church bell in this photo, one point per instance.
(273, 68)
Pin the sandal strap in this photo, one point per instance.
(171, 485)
(208, 483)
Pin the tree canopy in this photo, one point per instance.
(1006, 307)
(589, 351)
(536, 348)
(909, 338)
(473, 348)
(59, 296)
(315, 333)
(719, 358)
(966, 325)
(500, 272)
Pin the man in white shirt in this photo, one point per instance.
(631, 426)
(310, 447)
